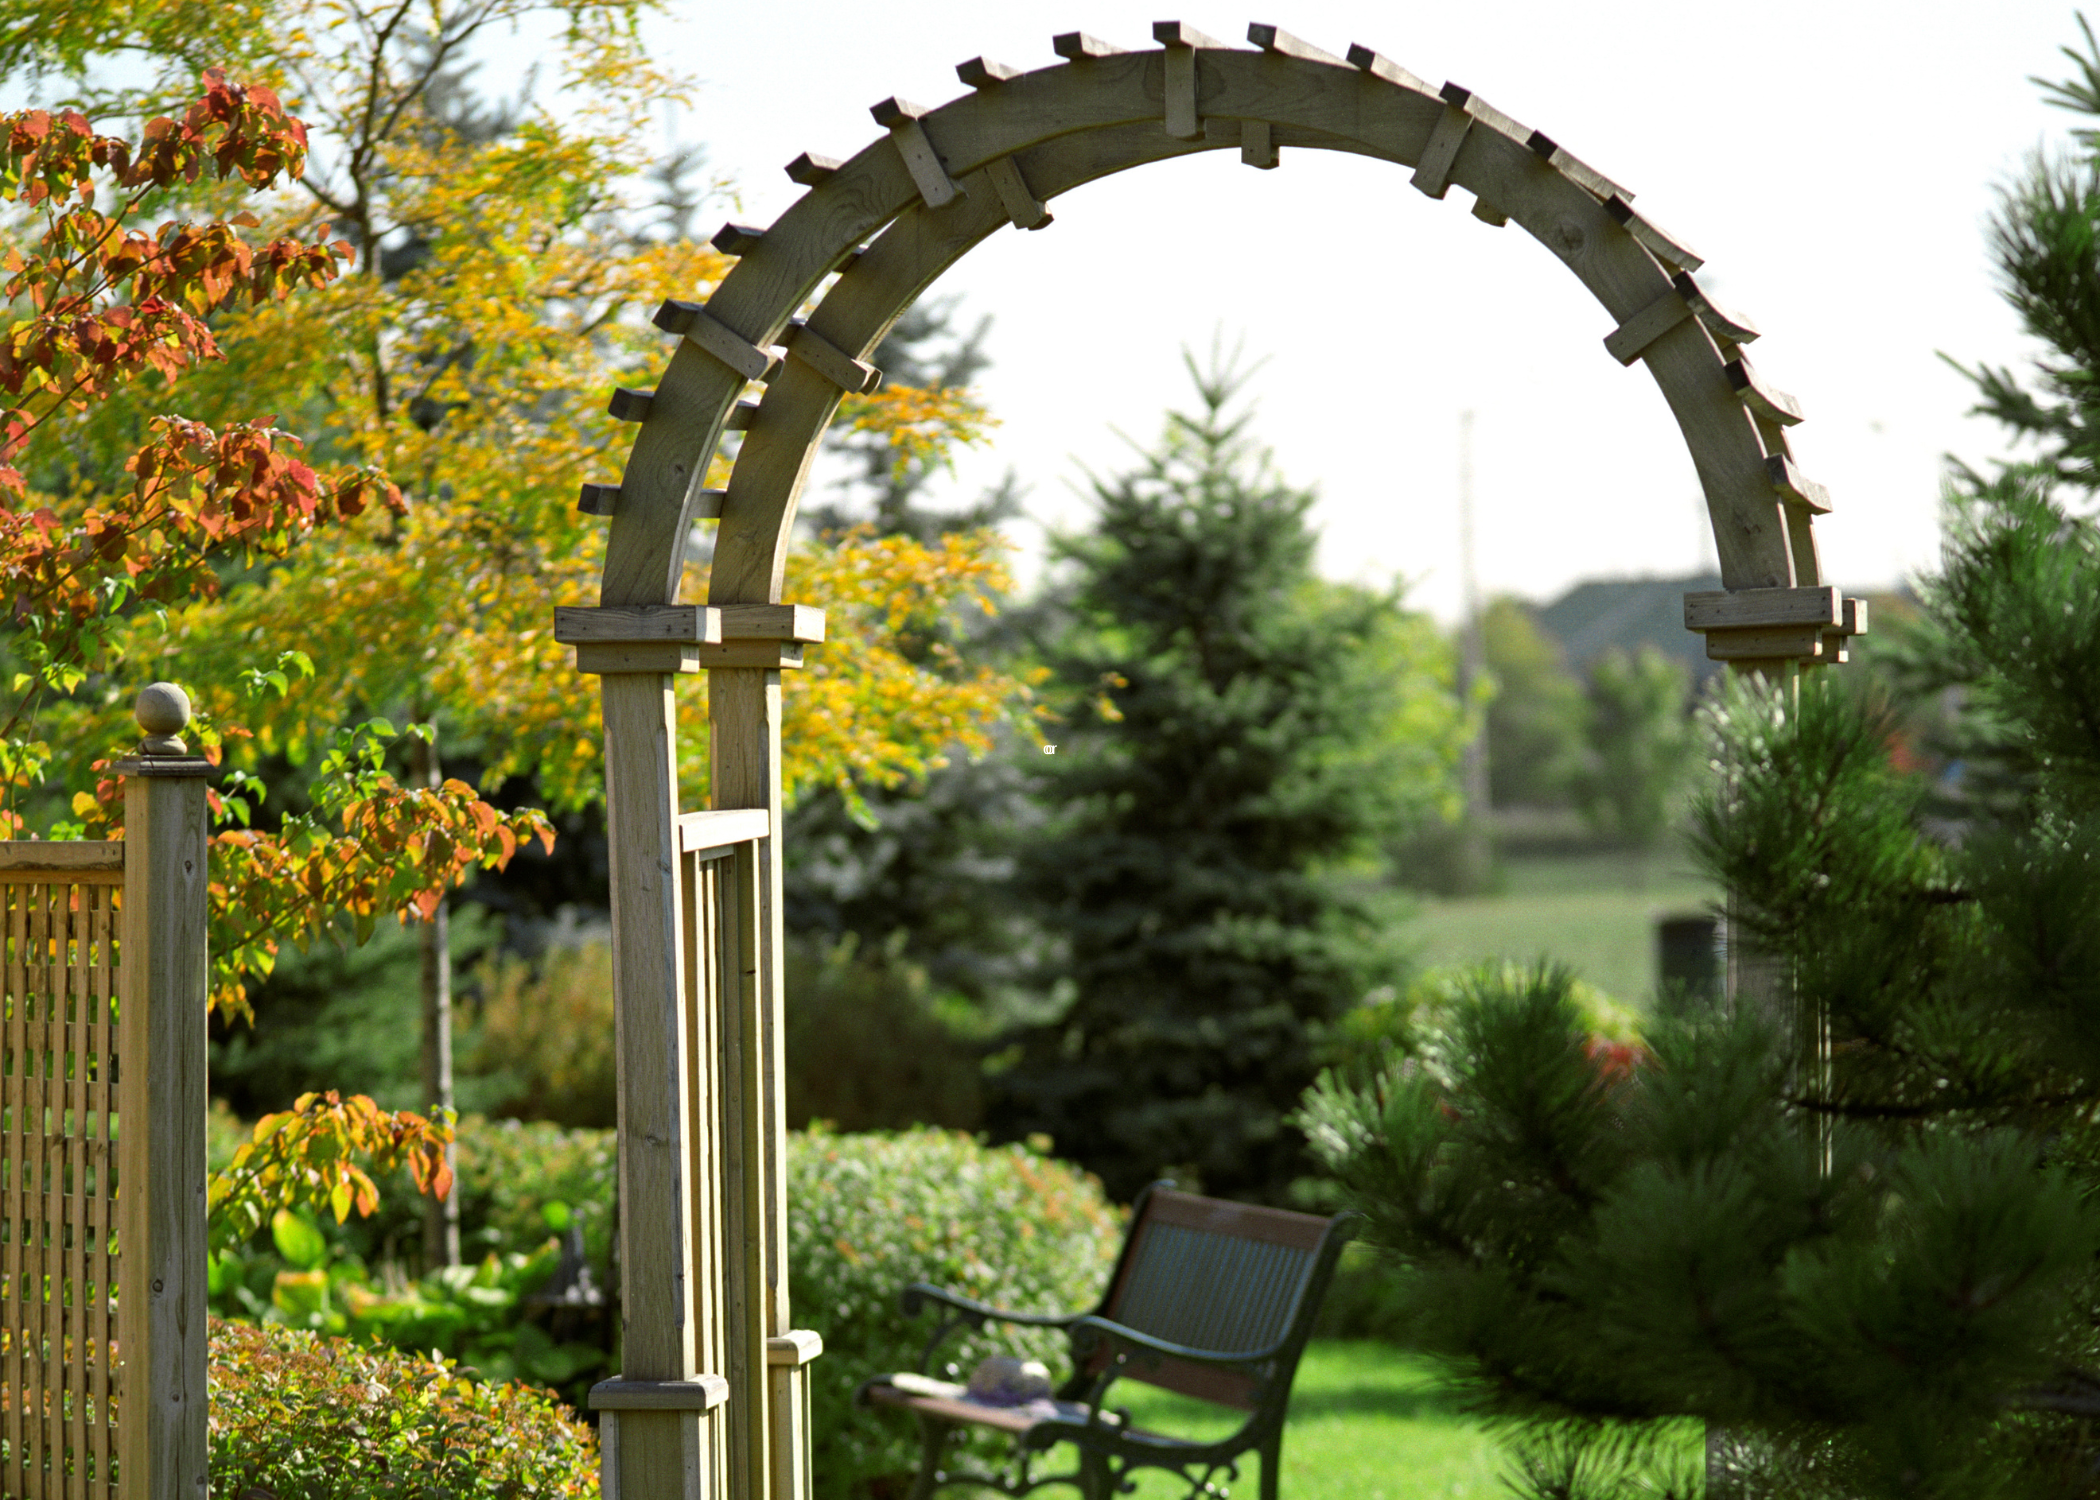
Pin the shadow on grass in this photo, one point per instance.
(1406, 1405)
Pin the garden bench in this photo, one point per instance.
(1210, 1299)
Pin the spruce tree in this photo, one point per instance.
(1850, 1241)
(1235, 731)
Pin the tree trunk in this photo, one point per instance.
(440, 1216)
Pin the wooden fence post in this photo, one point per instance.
(163, 1271)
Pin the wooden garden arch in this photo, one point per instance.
(712, 1399)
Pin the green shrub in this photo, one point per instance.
(871, 1213)
(867, 1048)
(541, 1046)
(301, 1417)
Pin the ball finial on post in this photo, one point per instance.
(163, 711)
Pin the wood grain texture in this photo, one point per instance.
(772, 622)
(162, 1268)
(701, 1393)
(1720, 609)
(609, 658)
(716, 829)
(1769, 643)
(1023, 209)
(658, 1452)
(691, 623)
(71, 858)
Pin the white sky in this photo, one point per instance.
(1832, 160)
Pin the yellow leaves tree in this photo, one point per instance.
(505, 267)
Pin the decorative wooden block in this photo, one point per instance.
(1487, 213)
(983, 73)
(721, 828)
(1433, 171)
(1364, 60)
(1731, 326)
(1182, 121)
(1796, 486)
(689, 623)
(741, 416)
(1275, 39)
(1777, 643)
(629, 406)
(1023, 210)
(717, 338)
(900, 118)
(797, 1347)
(750, 654)
(1077, 46)
(1667, 248)
(772, 622)
(1630, 339)
(809, 169)
(701, 1393)
(1484, 112)
(854, 376)
(1257, 146)
(1180, 34)
(599, 499)
(607, 658)
(1722, 609)
(737, 239)
(1577, 171)
(707, 505)
(1772, 405)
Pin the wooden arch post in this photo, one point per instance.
(794, 323)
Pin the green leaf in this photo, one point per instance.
(300, 1243)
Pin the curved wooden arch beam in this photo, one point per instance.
(1020, 139)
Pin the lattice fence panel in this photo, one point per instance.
(58, 1263)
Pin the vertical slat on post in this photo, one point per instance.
(744, 1242)
(744, 719)
(658, 1454)
(162, 1267)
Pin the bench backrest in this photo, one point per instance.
(1213, 1275)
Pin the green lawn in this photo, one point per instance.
(1596, 912)
(1364, 1425)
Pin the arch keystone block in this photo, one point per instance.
(706, 332)
(1182, 121)
(856, 377)
(1077, 46)
(983, 73)
(809, 169)
(1275, 39)
(1364, 60)
(900, 117)
(1023, 210)
(1667, 248)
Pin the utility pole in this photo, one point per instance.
(1477, 853)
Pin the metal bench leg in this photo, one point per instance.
(933, 1437)
(1093, 1475)
(1272, 1465)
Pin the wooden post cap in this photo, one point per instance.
(163, 711)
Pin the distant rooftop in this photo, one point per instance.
(1629, 613)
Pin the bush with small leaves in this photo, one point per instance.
(295, 1416)
(869, 1214)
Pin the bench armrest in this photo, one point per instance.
(961, 1311)
(1092, 1329)
(919, 1293)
